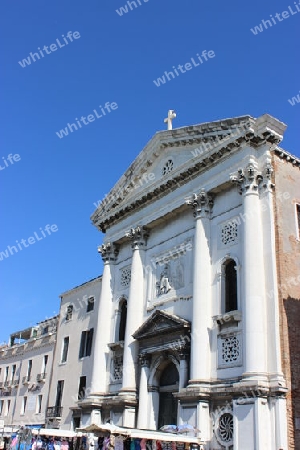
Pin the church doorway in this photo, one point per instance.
(168, 404)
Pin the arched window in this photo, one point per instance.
(230, 278)
(123, 317)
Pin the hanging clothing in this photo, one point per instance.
(119, 443)
(143, 444)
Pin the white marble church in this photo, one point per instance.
(188, 319)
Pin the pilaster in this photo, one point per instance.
(267, 189)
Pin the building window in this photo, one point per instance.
(65, 349)
(13, 372)
(123, 318)
(45, 362)
(6, 373)
(59, 393)
(34, 333)
(24, 403)
(90, 304)
(45, 330)
(69, 314)
(1, 407)
(7, 407)
(29, 369)
(82, 387)
(39, 404)
(230, 286)
(298, 220)
(86, 343)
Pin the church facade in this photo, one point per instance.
(193, 321)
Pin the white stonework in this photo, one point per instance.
(197, 337)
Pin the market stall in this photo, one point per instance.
(53, 432)
(111, 437)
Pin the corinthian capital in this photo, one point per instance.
(247, 179)
(267, 177)
(202, 204)
(138, 236)
(144, 360)
(109, 252)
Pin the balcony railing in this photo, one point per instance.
(16, 382)
(25, 380)
(41, 377)
(54, 411)
(1, 384)
(7, 383)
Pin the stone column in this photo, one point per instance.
(143, 419)
(109, 253)
(253, 292)
(135, 310)
(202, 316)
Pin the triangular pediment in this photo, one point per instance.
(160, 323)
(172, 157)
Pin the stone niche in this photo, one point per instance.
(170, 276)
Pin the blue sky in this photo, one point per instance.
(115, 59)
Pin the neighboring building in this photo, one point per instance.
(287, 238)
(74, 355)
(194, 324)
(25, 370)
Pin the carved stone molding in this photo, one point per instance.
(183, 354)
(109, 252)
(138, 236)
(247, 179)
(144, 360)
(202, 204)
(268, 170)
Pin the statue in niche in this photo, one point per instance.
(163, 285)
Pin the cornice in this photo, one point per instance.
(255, 133)
(283, 154)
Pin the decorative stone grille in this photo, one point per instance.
(125, 276)
(225, 429)
(168, 167)
(118, 368)
(230, 350)
(229, 233)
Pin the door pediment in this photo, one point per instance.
(160, 323)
